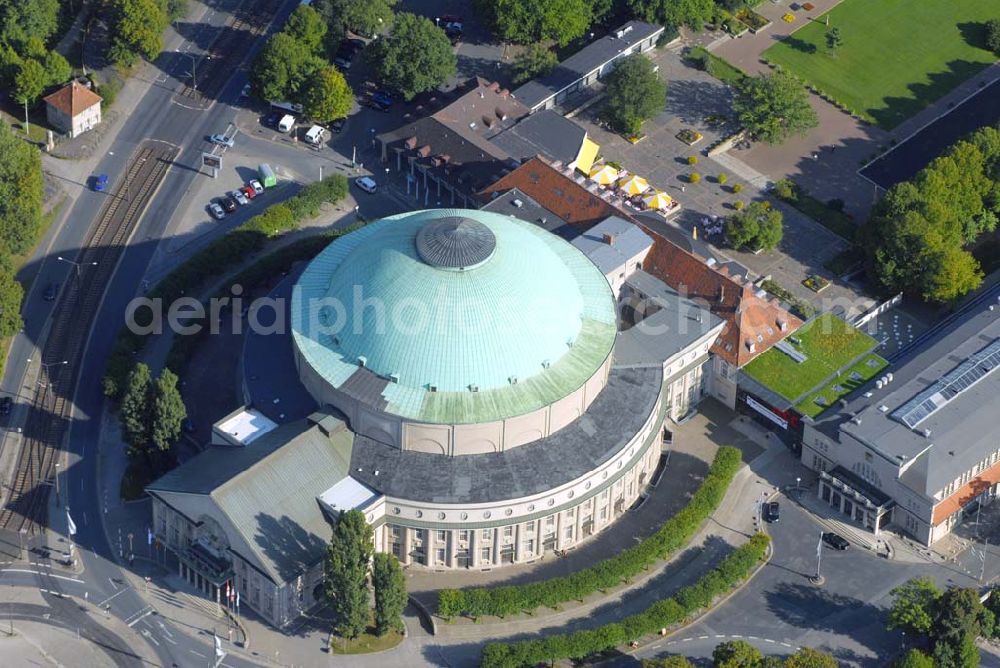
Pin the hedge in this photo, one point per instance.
(675, 533)
(216, 258)
(731, 571)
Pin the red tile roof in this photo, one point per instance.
(73, 98)
(966, 494)
(555, 191)
(749, 318)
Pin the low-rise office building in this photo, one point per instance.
(918, 446)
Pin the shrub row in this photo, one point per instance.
(216, 258)
(675, 532)
(731, 571)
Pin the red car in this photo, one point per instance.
(248, 191)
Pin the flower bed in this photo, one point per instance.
(816, 283)
(753, 20)
(674, 534)
(689, 137)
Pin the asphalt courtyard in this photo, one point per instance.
(913, 154)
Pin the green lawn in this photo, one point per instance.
(897, 56)
(828, 342)
(849, 380)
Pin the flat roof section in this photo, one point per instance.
(245, 425)
(616, 415)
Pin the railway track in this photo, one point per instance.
(49, 410)
(229, 47)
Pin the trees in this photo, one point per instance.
(736, 654)
(364, 17)
(993, 35)
(326, 95)
(535, 61)
(758, 227)
(532, 21)
(135, 410)
(692, 13)
(390, 593)
(29, 82)
(916, 237)
(669, 662)
(914, 659)
(307, 27)
(23, 19)
(833, 39)
(912, 605)
(346, 569)
(634, 93)
(810, 658)
(167, 412)
(280, 68)
(772, 107)
(21, 192)
(415, 57)
(137, 27)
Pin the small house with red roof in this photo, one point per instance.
(73, 109)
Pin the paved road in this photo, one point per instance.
(780, 609)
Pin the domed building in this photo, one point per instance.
(474, 392)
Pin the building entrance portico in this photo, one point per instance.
(855, 498)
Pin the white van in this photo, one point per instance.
(286, 123)
(315, 135)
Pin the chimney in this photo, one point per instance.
(722, 293)
(782, 325)
(410, 143)
(751, 346)
(609, 239)
(501, 114)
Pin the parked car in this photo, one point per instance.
(272, 119)
(51, 292)
(223, 140)
(338, 125)
(101, 183)
(246, 91)
(367, 184)
(6, 403)
(257, 187)
(836, 541)
(383, 97)
(343, 59)
(216, 211)
(772, 512)
(240, 197)
(248, 191)
(372, 103)
(229, 204)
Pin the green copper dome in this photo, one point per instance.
(470, 316)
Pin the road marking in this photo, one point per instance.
(149, 636)
(702, 637)
(197, 653)
(112, 581)
(768, 640)
(719, 636)
(687, 639)
(118, 593)
(145, 614)
(85, 519)
(784, 644)
(51, 575)
(752, 638)
(165, 630)
(81, 484)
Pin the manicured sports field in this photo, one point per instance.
(896, 56)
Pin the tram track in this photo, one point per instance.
(50, 407)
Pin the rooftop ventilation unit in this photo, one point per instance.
(512, 380)
(546, 364)
(362, 361)
(518, 203)
(394, 377)
(884, 408)
(856, 419)
(473, 388)
(927, 433)
(432, 388)
(878, 383)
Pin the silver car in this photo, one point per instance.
(223, 140)
(240, 198)
(217, 211)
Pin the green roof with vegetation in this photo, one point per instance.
(830, 346)
(896, 56)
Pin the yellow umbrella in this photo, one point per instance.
(658, 200)
(635, 185)
(604, 174)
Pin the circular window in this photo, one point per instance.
(619, 463)
(441, 516)
(531, 507)
(487, 515)
(464, 516)
(550, 502)
(420, 514)
(587, 486)
(371, 516)
(395, 510)
(508, 512)
(571, 494)
(604, 475)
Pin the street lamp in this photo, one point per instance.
(194, 68)
(46, 365)
(76, 264)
